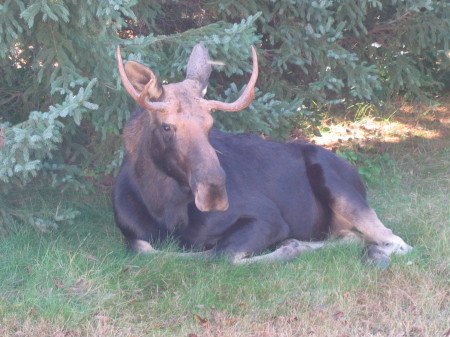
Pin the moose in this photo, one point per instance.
(235, 195)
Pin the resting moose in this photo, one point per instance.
(236, 195)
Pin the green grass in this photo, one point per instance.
(78, 280)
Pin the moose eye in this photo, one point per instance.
(166, 127)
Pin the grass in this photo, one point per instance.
(78, 280)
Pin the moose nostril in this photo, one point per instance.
(210, 197)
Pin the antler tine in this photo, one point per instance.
(140, 98)
(246, 97)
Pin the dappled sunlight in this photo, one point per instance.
(407, 123)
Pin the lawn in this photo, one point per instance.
(78, 280)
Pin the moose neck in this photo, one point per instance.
(165, 198)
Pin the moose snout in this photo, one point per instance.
(210, 197)
(210, 194)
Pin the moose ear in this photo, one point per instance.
(199, 67)
(140, 75)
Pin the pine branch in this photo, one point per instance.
(388, 26)
(29, 143)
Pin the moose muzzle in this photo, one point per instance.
(210, 194)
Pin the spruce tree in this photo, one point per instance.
(330, 50)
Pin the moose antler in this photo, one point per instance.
(140, 98)
(143, 100)
(246, 97)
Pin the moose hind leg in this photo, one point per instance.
(338, 186)
(352, 212)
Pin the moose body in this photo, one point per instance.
(236, 195)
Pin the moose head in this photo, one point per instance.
(180, 120)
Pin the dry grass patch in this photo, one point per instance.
(393, 308)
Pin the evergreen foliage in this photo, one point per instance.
(60, 94)
(330, 50)
(28, 144)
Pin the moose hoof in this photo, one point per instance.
(376, 257)
(142, 247)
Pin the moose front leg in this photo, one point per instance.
(290, 249)
(286, 252)
(143, 247)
